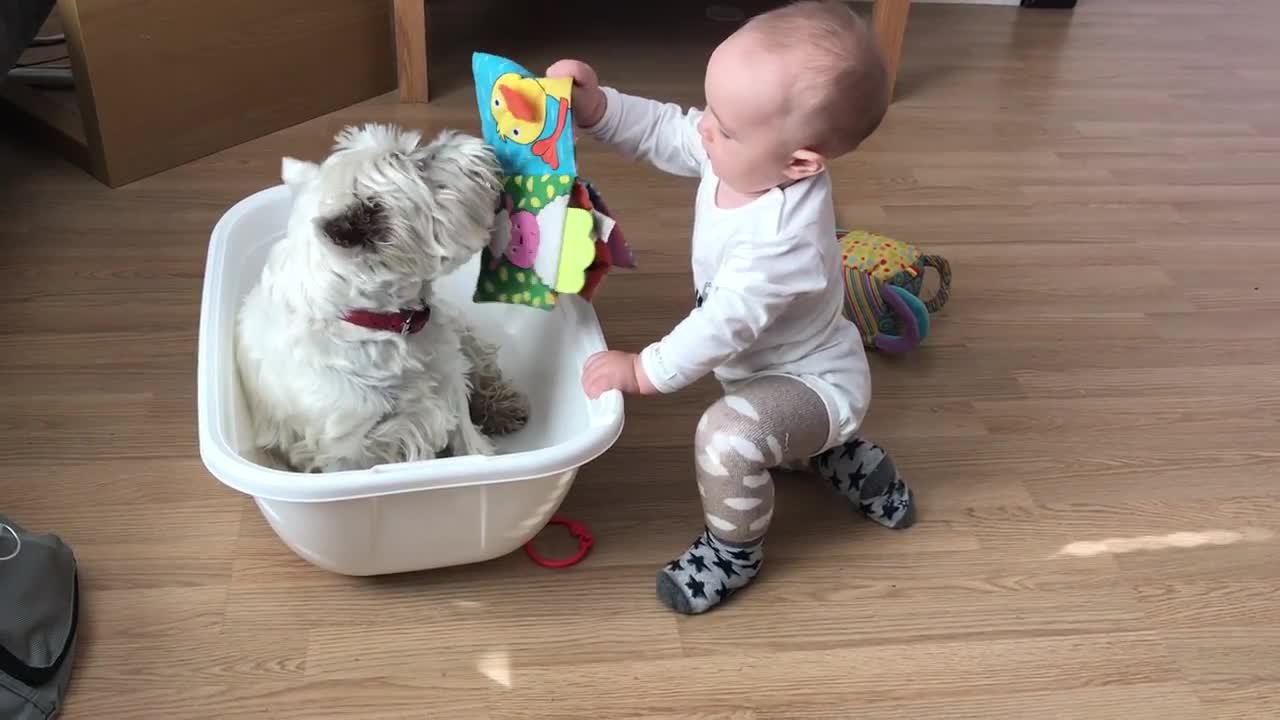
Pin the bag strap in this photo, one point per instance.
(939, 263)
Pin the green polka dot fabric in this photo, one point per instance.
(505, 283)
(500, 280)
(532, 193)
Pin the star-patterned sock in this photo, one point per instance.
(862, 472)
(707, 573)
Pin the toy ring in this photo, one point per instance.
(577, 530)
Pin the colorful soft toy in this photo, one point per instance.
(883, 281)
(553, 234)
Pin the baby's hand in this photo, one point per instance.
(588, 99)
(614, 370)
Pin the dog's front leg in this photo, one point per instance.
(465, 438)
(404, 438)
(496, 406)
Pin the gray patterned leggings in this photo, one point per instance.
(764, 424)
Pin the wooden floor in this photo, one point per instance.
(1093, 430)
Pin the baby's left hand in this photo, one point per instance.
(613, 370)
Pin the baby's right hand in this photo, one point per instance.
(588, 100)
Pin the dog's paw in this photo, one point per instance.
(499, 409)
(467, 439)
(473, 443)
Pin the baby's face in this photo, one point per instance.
(743, 128)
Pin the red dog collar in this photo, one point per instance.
(404, 322)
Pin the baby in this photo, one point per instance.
(789, 91)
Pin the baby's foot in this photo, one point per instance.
(862, 472)
(707, 573)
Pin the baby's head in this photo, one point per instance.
(790, 90)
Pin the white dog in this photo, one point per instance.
(346, 357)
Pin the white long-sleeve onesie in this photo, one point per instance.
(768, 276)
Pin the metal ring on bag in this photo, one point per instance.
(17, 546)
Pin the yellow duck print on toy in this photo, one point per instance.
(521, 109)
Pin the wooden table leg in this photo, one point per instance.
(890, 19)
(411, 50)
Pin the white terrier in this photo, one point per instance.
(346, 358)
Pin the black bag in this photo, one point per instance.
(39, 610)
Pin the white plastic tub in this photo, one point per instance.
(406, 516)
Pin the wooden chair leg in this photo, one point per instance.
(890, 19)
(411, 50)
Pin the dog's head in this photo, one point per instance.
(382, 203)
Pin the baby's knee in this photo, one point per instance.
(726, 434)
(722, 421)
(715, 419)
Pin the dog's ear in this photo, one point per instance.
(295, 172)
(362, 224)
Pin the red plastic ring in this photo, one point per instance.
(577, 530)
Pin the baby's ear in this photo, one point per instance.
(805, 164)
(295, 172)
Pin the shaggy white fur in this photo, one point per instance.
(370, 229)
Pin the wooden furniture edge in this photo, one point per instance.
(410, 18)
(889, 18)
